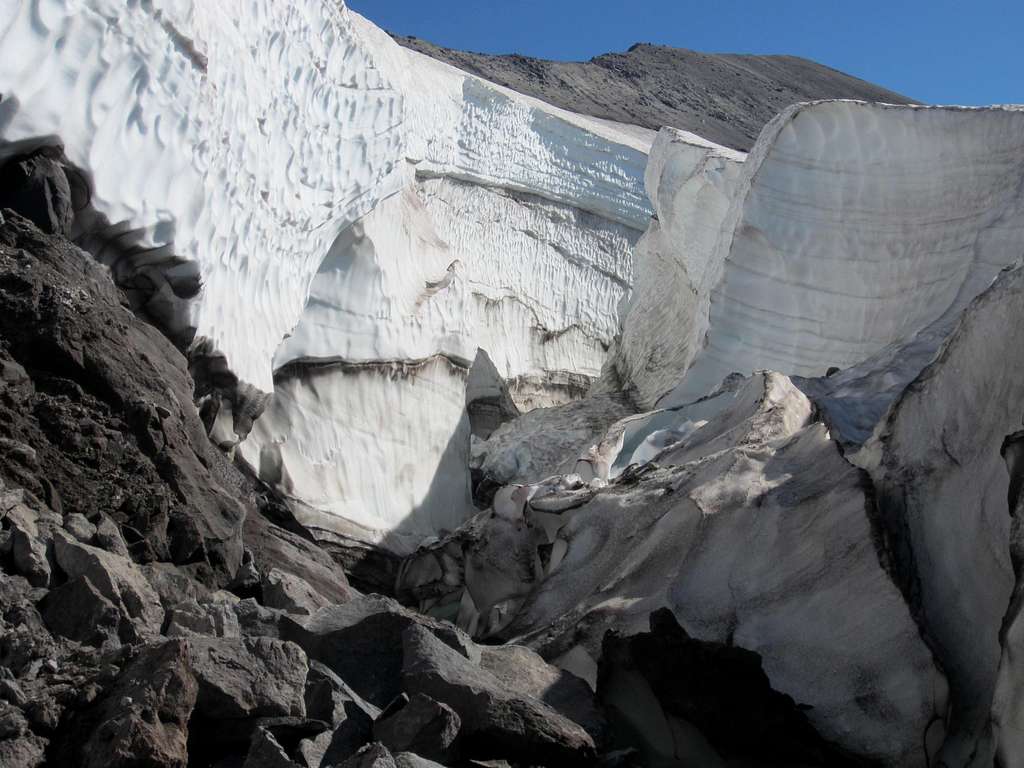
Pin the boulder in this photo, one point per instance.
(423, 726)
(496, 722)
(24, 751)
(290, 593)
(10, 691)
(30, 536)
(114, 577)
(12, 722)
(370, 756)
(37, 188)
(78, 611)
(79, 526)
(171, 584)
(248, 677)
(525, 671)
(330, 699)
(256, 619)
(274, 547)
(143, 719)
(361, 641)
(108, 536)
(265, 752)
(215, 619)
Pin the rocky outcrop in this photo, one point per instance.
(119, 522)
(98, 417)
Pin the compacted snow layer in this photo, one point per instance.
(849, 229)
(855, 226)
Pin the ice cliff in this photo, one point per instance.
(362, 219)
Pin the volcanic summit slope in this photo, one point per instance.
(727, 98)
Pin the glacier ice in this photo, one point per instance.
(691, 183)
(513, 233)
(868, 251)
(937, 460)
(849, 227)
(759, 533)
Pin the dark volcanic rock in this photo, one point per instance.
(411, 760)
(116, 578)
(328, 698)
(496, 722)
(370, 756)
(265, 752)
(37, 187)
(423, 726)
(78, 611)
(30, 533)
(361, 641)
(24, 750)
(290, 593)
(274, 548)
(106, 411)
(523, 670)
(143, 719)
(727, 98)
(248, 677)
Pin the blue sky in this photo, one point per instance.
(938, 51)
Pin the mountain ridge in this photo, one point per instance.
(724, 97)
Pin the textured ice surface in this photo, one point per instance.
(849, 229)
(755, 531)
(375, 452)
(513, 233)
(692, 184)
(944, 490)
(855, 226)
(247, 134)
